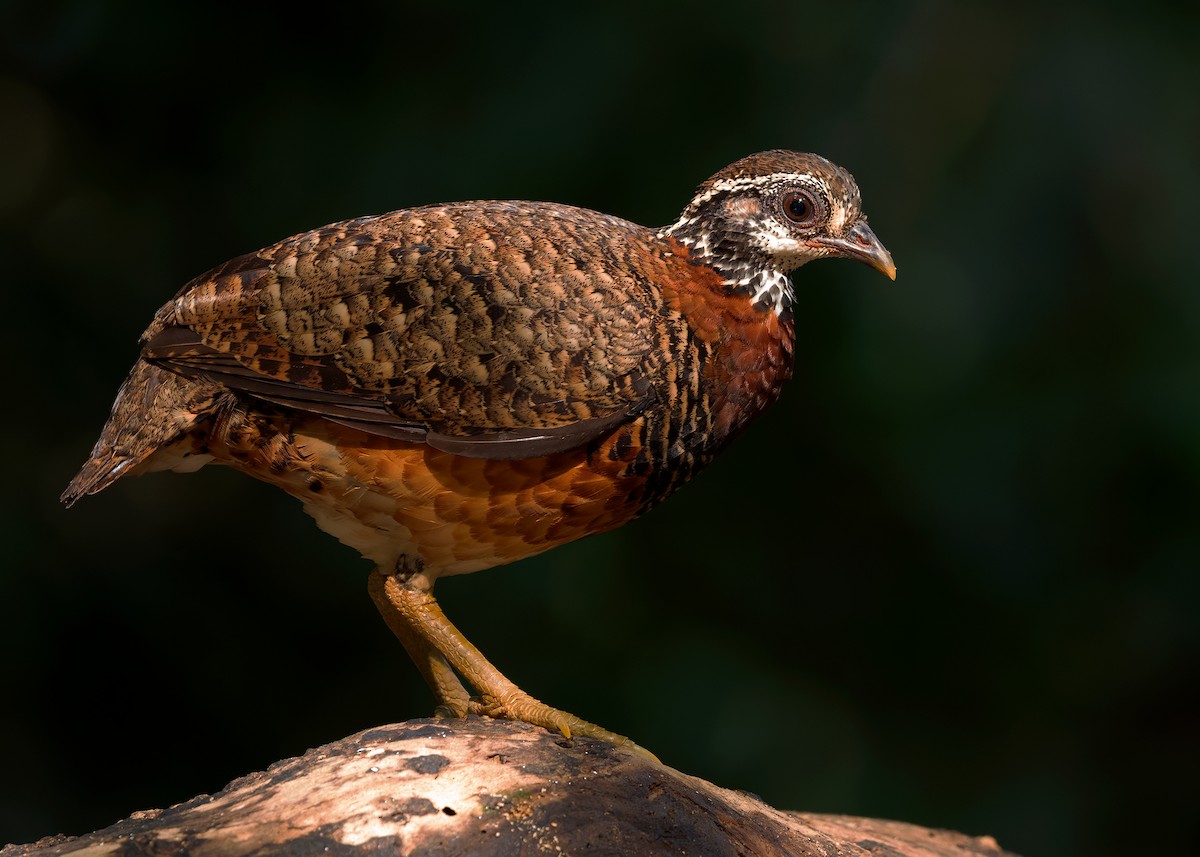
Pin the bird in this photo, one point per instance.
(455, 387)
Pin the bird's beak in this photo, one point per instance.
(860, 243)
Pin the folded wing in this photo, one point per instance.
(466, 327)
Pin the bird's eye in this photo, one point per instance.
(799, 207)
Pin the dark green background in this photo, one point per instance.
(951, 578)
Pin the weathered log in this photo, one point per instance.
(482, 787)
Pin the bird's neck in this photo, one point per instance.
(745, 346)
(744, 269)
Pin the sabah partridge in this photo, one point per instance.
(455, 387)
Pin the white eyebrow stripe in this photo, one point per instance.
(734, 185)
(757, 182)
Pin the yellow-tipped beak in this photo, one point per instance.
(860, 243)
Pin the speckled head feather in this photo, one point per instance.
(780, 166)
(780, 161)
(739, 224)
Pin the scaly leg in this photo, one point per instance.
(406, 601)
(447, 689)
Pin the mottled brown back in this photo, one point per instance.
(489, 329)
(468, 321)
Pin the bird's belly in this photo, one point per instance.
(390, 499)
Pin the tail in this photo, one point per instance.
(154, 408)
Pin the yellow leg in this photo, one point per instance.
(447, 689)
(439, 649)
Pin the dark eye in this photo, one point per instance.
(799, 207)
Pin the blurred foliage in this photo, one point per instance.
(950, 578)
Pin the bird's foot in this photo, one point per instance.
(521, 706)
(443, 654)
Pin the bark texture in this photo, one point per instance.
(480, 787)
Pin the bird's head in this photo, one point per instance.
(764, 216)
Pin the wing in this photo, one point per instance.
(494, 330)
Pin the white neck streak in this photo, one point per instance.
(748, 272)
